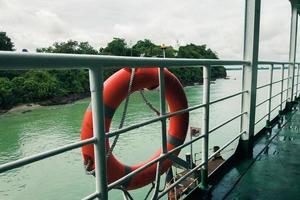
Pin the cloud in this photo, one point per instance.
(49, 22)
(219, 24)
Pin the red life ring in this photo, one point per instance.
(115, 91)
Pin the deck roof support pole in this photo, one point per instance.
(249, 80)
(205, 125)
(297, 87)
(96, 86)
(292, 51)
(281, 86)
(270, 94)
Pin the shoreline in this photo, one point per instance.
(28, 107)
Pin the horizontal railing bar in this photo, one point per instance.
(273, 62)
(91, 196)
(284, 101)
(262, 118)
(160, 158)
(226, 145)
(179, 180)
(285, 90)
(40, 156)
(275, 108)
(271, 98)
(197, 167)
(270, 112)
(168, 115)
(279, 93)
(279, 81)
(13, 60)
(261, 103)
(228, 97)
(226, 122)
(262, 86)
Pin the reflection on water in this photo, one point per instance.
(63, 177)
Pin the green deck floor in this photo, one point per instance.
(274, 175)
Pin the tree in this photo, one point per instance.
(196, 51)
(144, 48)
(190, 75)
(71, 47)
(71, 81)
(5, 42)
(170, 52)
(7, 45)
(117, 47)
(148, 49)
(86, 48)
(6, 93)
(35, 85)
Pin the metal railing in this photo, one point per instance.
(282, 90)
(97, 65)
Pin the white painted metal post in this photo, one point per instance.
(270, 93)
(249, 82)
(96, 86)
(297, 86)
(163, 128)
(282, 81)
(205, 125)
(163, 108)
(292, 52)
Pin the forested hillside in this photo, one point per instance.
(61, 86)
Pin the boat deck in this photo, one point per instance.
(273, 173)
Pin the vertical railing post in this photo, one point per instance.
(292, 52)
(249, 81)
(282, 81)
(205, 125)
(96, 86)
(163, 108)
(270, 94)
(162, 101)
(297, 86)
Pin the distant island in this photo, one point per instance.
(51, 87)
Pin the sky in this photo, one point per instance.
(219, 24)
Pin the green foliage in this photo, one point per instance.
(6, 93)
(35, 85)
(10, 74)
(6, 86)
(117, 47)
(5, 42)
(190, 75)
(146, 48)
(196, 51)
(72, 81)
(7, 45)
(70, 47)
(143, 47)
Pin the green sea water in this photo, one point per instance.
(63, 176)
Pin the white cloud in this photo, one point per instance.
(219, 24)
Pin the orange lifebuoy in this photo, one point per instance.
(115, 91)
